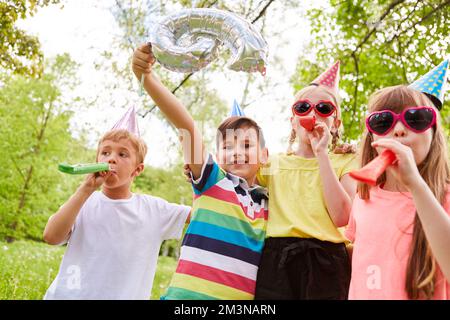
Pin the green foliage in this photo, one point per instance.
(19, 53)
(207, 109)
(34, 140)
(164, 271)
(28, 268)
(380, 43)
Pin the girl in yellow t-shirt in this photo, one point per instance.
(310, 195)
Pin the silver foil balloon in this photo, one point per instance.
(190, 39)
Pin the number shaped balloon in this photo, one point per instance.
(189, 40)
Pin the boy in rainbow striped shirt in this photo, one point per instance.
(222, 246)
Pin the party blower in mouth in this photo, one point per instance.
(308, 122)
(83, 168)
(370, 172)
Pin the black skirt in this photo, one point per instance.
(301, 268)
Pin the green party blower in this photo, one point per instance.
(83, 168)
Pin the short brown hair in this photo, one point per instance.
(237, 122)
(139, 145)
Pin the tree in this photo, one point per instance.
(35, 137)
(19, 53)
(380, 43)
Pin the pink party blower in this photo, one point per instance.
(370, 172)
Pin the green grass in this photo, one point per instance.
(27, 269)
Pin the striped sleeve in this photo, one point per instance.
(210, 175)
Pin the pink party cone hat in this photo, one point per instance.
(128, 122)
(330, 78)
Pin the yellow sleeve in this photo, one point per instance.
(261, 177)
(264, 172)
(349, 163)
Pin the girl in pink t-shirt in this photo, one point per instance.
(401, 227)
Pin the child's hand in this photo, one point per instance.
(93, 181)
(187, 172)
(345, 148)
(143, 60)
(319, 138)
(405, 167)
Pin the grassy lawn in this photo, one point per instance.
(27, 269)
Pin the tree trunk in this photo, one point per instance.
(24, 190)
(27, 182)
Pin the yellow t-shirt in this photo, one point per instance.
(296, 202)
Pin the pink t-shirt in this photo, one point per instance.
(381, 231)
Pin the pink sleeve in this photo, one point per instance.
(351, 227)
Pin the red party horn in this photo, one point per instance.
(375, 168)
(308, 122)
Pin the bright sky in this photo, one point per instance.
(83, 28)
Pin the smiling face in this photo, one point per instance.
(240, 148)
(315, 94)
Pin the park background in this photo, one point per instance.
(65, 79)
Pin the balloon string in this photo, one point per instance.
(141, 86)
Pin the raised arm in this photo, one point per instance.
(338, 194)
(60, 224)
(172, 108)
(435, 222)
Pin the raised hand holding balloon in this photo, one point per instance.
(189, 40)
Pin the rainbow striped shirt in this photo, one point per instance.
(221, 249)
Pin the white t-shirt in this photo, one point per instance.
(114, 245)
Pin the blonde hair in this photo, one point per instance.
(434, 170)
(138, 144)
(304, 93)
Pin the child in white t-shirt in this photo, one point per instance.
(113, 235)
